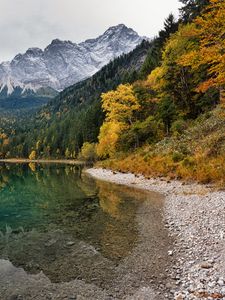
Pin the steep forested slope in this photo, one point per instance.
(75, 115)
(195, 151)
(141, 102)
(123, 69)
(172, 123)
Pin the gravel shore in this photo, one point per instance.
(194, 214)
(140, 274)
(179, 255)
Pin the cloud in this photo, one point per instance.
(32, 23)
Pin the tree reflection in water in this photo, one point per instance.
(56, 219)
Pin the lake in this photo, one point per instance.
(57, 220)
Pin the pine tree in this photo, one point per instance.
(192, 9)
(170, 26)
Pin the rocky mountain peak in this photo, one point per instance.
(34, 51)
(119, 28)
(58, 42)
(63, 63)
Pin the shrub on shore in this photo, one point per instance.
(197, 154)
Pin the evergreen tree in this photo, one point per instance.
(154, 56)
(170, 26)
(192, 9)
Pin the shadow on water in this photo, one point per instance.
(55, 219)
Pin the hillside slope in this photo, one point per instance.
(194, 153)
(75, 115)
(122, 69)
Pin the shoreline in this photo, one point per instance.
(44, 161)
(193, 214)
(160, 185)
(127, 278)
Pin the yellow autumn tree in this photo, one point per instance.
(67, 153)
(156, 78)
(32, 155)
(88, 152)
(108, 137)
(174, 83)
(119, 107)
(210, 30)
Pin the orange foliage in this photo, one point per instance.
(201, 169)
(210, 30)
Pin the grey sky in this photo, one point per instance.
(34, 23)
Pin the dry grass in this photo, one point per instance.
(197, 155)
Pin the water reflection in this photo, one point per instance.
(54, 218)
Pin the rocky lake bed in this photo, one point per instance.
(178, 253)
(194, 215)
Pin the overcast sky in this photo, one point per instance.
(34, 23)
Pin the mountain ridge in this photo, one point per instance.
(76, 110)
(63, 63)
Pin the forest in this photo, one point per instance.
(162, 106)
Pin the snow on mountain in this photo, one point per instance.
(63, 63)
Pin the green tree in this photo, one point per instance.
(170, 26)
(192, 9)
(167, 113)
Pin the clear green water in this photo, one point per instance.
(56, 219)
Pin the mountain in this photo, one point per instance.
(122, 69)
(63, 63)
(75, 115)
